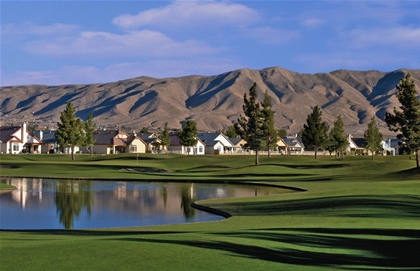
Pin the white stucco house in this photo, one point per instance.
(216, 143)
(18, 139)
(176, 147)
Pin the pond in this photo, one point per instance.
(76, 204)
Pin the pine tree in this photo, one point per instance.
(337, 140)
(250, 126)
(269, 131)
(407, 121)
(70, 129)
(165, 139)
(373, 137)
(230, 132)
(314, 133)
(188, 134)
(89, 129)
(281, 133)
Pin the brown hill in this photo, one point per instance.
(214, 102)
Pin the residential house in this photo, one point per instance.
(281, 146)
(176, 147)
(237, 144)
(116, 141)
(216, 143)
(18, 139)
(356, 145)
(50, 144)
(388, 148)
(153, 143)
(293, 144)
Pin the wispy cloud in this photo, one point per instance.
(403, 36)
(26, 30)
(191, 14)
(144, 43)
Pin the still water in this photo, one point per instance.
(70, 204)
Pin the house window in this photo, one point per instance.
(15, 147)
(200, 149)
(134, 148)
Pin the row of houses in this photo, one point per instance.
(18, 139)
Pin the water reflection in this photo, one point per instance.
(187, 198)
(58, 204)
(70, 198)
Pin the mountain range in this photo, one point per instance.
(214, 102)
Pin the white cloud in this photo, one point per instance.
(313, 22)
(400, 36)
(28, 28)
(144, 43)
(191, 13)
(19, 32)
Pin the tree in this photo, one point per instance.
(188, 134)
(144, 130)
(70, 129)
(270, 133)
(314, 133)
(250, 126)
(89, 129)
(407, 121)
(373, 137)
(281, 133)
(164, 137)
(231, 132)
(337, 140)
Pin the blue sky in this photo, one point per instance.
(77, 42)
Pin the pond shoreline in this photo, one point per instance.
(213, 181)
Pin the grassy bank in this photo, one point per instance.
(357, 214)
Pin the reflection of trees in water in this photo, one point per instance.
(188, 197)
(165, 195)
(70, 198)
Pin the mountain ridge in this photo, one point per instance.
(214, 102)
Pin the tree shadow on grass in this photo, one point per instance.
(385, 206)
(310, 166)
(412, 173)
(393, 248)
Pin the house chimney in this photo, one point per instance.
(23, 132)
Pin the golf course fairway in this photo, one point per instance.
(352, 214)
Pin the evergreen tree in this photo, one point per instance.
(314, 133)
(407, 121)
(337, 140)
(188, 134)
(269, 131)
(164, 137)
(70, 129)
(373, 137)
(250, 126)
(281, 133)
(89, 129)
(230, 132)
(144, 130)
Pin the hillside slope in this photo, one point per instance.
(214, 102)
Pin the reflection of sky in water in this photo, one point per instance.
(42, 203)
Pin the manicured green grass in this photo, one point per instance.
(357, 214)
(5, 186)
